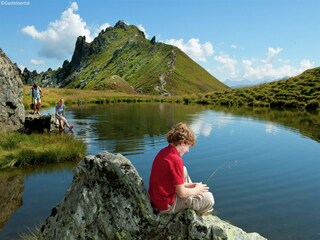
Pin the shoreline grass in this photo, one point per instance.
(84, 96)
(275, 95)
(21, 150)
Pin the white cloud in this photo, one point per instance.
(229, 65)
(99, 29)
(58, 40)
(253, 70)
(37, 62)
(104, 26)
(234, 46)
(141, 28)
(269, 68)
(272, 54)
(306, 64)
(196, 50)
(74, 6)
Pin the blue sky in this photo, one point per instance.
(235, 40)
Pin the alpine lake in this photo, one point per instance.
(262, 165)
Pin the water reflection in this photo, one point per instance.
(306, 123)
(128, 128)
(28, 195)
(11, 189)
(271, 128)
(269, 173)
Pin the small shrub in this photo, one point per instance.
(292, 104)
(312, 105)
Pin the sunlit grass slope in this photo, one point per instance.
(299, 92)
(74, 96)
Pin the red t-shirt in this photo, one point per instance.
(166, 172)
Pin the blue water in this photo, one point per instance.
(266, 176)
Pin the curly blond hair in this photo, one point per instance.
(181, 133)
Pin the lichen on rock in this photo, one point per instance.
(107, 200)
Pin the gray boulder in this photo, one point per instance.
(107, 200)
(11, 95)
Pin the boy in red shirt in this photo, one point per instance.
(170, 188)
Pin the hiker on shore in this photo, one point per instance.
(36, 98)
(60, 110)
(170, 188)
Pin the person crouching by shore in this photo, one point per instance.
(170, 187)
(60, 110)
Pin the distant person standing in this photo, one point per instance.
(60, 110)
(36, 98)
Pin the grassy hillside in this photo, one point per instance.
(191, 78)
(146, 66)
(300, 92)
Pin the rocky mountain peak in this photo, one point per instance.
(81, 49)
(121, 24)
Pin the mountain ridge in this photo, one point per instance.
(149, 67)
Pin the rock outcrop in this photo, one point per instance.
(107, 200)
(11, 95)
(42, 78)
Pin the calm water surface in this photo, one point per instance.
(266, 174)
